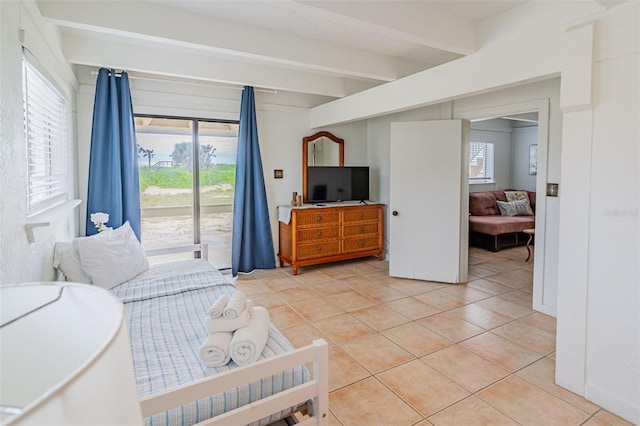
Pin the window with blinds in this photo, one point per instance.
(45, 122)
(481, 162)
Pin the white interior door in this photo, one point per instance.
(429, 200)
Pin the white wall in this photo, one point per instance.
(521, 139)
(600, 299)
(21, 261)
(281, 128)
(498, 132)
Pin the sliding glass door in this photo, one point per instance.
(185, 201)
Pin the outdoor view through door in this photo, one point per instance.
(173, 214)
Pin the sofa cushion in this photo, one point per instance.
(516, 195)
(515, 208)
(496, 225)
(483, 204)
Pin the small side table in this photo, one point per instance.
(530, 232)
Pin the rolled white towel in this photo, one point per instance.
(221, 324)
(214, 351)
(247, 343)
(236, 305)
(218, 306)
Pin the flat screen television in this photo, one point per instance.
(329, 184)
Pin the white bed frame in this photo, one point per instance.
(314, 392)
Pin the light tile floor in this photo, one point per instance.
(407, 352)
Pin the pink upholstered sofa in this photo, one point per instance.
(491, 230)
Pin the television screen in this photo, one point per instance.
(327, 184)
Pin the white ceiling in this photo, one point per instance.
(329, 49)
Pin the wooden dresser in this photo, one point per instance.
(317, 235)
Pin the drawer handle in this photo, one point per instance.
(319, 218)
(361, 215)
(319, 233)
(362, 229)
(319, 249)
(361, 243)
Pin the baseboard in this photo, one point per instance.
(613, 404)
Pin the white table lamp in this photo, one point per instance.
(65, 357)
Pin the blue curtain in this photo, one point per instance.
(252, 244)
(113, 163)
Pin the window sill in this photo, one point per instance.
(484, 182)
(44, 218)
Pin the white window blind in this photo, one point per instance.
(45, 121)
(480, 162)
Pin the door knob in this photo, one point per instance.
(395, 213)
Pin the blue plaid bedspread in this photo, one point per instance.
(165, 316)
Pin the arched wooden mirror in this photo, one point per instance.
(320, 149)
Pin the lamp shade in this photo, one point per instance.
(65, 357)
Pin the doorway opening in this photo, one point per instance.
(520, 163)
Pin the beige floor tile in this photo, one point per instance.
(542, 374)
(416, 339)
(528, 404)
(338, 271)
(500, 351)
(342, 328)
(280, 283)
(284, 317)
(303, 335)
(528, 336)
(380, 317)
(343, 370)
(466, 293)
(381, 293)
(480, 316)
(296, 294)
(253, 288)
(327, 288)
(515, 279)
(482, 270)
(422, 387)
(268, 273)
(467, 369)
(489, 286)
(316, 309)
(369, 402)
(541, 321)
(612, 419)
(376, 353)
(333, 420)
(520, 297)
(311, 277)
(350, 301)
(441, 299)
(451, 327)
(413, 308)
(268, 301)
(414, 287)
(594, 421)
(471, 411)
(363, 282)
(504, 307)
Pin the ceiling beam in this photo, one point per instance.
(121, 54)
(155, 22)
(416, 22)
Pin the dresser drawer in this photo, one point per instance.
(317, 217)
(357, 244)
(360, 215)
(314, 234)
(307, 251)
(363, 229)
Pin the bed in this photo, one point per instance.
(164, 309)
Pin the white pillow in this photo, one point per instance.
(112, 257)
(67, 260)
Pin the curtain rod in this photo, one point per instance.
(224, 86)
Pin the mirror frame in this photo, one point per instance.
(305, 155)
